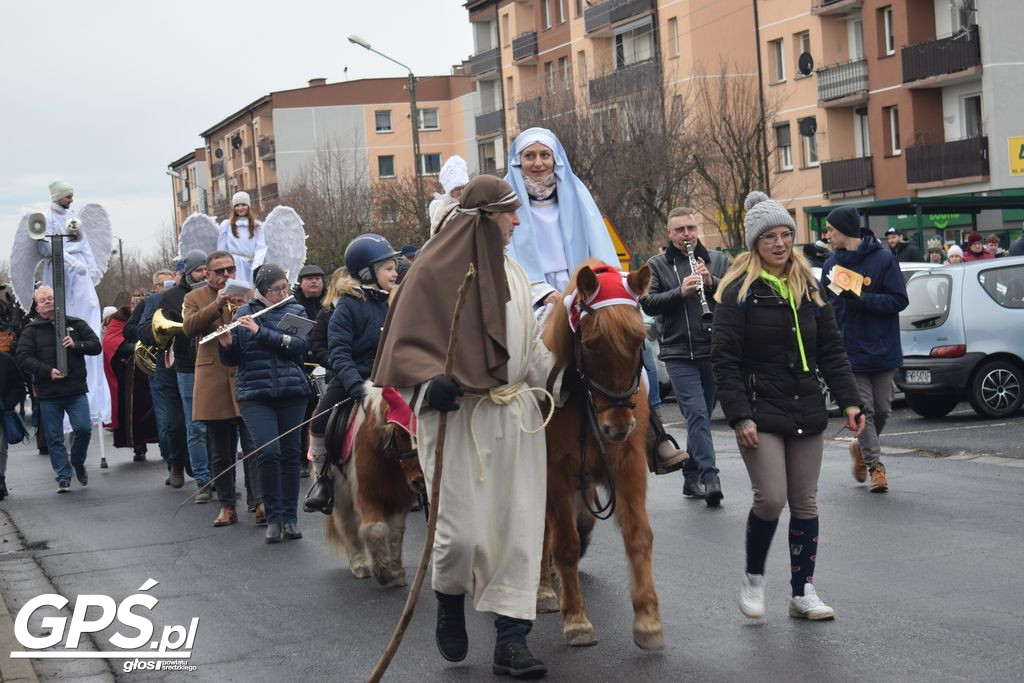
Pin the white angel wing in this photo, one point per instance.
(285, 236)
(199, 231)
(97, 229)
(24, 261)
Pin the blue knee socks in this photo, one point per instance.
(759, 538)
(803, 551)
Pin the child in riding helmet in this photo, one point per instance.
(352, 337)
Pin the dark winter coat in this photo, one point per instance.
(758, 371)
(353, 335)
(870, 323)
(172, 303)
(268, 369)
(905, 252)
(310, 306)
(12, 385)
(37, 356)
(318, 339)
(683, 335)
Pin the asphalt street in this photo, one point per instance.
(925, 580)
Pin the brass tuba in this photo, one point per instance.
(163, 330)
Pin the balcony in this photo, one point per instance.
(600, 18)
(220, 205)
(941, 57)
(217, 169)
(843, 85)
(269, 193)
(182, 196)
(524, 48)
(529, 112)
(846, 175)
(827, 7)
(625, 81)
(266, 148)
(489, 122)
(483, 62)
(959, 159)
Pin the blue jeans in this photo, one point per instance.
(52, 411)
(651, 368)
(171, 424)
(278, 462)
(195, 430)
(160, 414)
(694, 387)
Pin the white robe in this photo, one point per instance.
(80, 280)
(249, 252)
(490, 532)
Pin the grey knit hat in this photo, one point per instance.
(763, 214)
(192, 260)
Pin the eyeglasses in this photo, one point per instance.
(781, 238)
(277, 290)
(227, 270)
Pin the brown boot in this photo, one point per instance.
(226, 516)
(664, 454)
(177, 478)
(261, 515)
(860, 470)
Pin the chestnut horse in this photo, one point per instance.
(605, 417)
(373, 491)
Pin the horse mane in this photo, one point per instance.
(612, 322)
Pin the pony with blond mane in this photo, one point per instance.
(605, 417)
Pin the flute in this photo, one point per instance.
(232, 325)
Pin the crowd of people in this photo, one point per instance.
(752, 333)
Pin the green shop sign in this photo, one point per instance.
(937, 221)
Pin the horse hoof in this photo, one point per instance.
(360, 571)
(580, 635)
(652, 640)
(547, 604)
(398, 581)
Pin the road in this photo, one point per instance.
(925, 580)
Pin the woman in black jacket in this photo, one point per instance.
(772, 333)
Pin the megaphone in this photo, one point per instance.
(36, 226)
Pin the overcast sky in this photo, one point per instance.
(105, 94)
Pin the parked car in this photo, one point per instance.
(961, 338)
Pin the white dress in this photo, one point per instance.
(490, 524)
(249, 252)
(80, 280)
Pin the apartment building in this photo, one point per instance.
(190, 181)
(362, 127)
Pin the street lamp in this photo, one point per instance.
(414, 119)
(185, 181)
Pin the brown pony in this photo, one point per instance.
(372, 494)
(603, 362)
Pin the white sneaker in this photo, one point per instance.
(809, 606)
(752, 595)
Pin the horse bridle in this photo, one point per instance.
(588, 419)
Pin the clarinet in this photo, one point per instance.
(705, 311)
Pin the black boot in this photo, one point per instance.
(450, 633)
(3, 488)
(665, 455)
(713, 492)
(321, 494)
(514, 659)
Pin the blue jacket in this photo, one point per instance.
(870, 325)
(267, 369)
(353, 335)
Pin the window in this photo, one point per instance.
(973, 126)
(803, 44)
(386, 166)
(549, 77)
(892, 121)
(428, 119)
(1004, 285)
(383, 121)
(634, 46)
(581, 67)
(430, 164)
(511, 90)
(809, 142)
(855, 36)
(887, 31)
(785, 146)
(505, 31)
(388, 213)
(563, 11)
(777, 61)
(563, 66)
(488, 157)
(861, 133)
(545, 13)
(579, 8)
(673, 37)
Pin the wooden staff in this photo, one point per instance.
(435, 493)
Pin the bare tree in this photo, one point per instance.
(395, 203)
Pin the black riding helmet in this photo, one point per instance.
(365, 252)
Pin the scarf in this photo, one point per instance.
(540, 189)
(780, 287)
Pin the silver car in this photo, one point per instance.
(961, 338)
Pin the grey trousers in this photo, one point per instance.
(784, 469)
(876, 395)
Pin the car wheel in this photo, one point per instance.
(933, 406)
(997, 389)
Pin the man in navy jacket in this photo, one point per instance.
(871, 330)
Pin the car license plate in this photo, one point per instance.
(919, 376)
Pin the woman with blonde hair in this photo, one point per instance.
(771, 336)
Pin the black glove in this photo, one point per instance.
(358, 393)
(849, 297)
(442, 394)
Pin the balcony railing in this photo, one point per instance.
(182, 196)
(625, 81)
(529, 112)
(266, 148)
(524, 48)
(488, 122)
(220, 205)
(822, 7)
(269, 193)
(966, 158)
(600, 17)
(217, 169)
(846, 175)
(843, 80)
(483, 62)
(942, 56)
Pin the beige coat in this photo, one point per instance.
(214, 395)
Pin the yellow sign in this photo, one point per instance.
(1017, 155)
(625, 257)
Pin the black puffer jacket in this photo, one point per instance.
(172, 303)
(683, 335)
(318, 350)
(757, 364)
(37, 356)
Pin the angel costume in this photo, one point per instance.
(490, 526)
(280, 239)
(561, 225)
(249, 252)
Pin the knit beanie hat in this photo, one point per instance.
(267, 275)
(240, 198)
(845, 219)
(955, 251)
(763, 214)
(59, 189)
(973, 237)
(193, 259)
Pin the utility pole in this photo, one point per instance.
(120, 257)
(421, 208)
(760, 92)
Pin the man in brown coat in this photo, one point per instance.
(213, 400)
